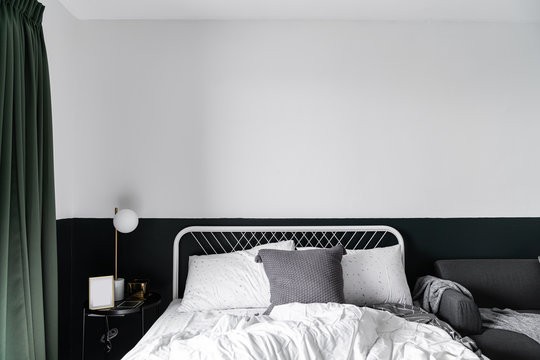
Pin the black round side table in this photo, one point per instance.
(152, 301)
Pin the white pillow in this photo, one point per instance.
(374, 276)
(228, 281)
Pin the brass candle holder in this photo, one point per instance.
(138, 288)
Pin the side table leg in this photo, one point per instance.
(142, 320)
(83, 329)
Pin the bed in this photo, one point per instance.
(221, 326)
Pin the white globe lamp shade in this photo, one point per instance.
(125, 221)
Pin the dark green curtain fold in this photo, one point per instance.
(28, 264)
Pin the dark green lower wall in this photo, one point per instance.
(86, 248)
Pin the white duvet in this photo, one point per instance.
(313, 331)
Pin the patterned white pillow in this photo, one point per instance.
(374, 276)
(228, 281)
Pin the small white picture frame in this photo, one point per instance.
(101, 292)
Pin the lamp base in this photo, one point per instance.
(119, 289)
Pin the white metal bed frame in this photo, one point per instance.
(245, 237)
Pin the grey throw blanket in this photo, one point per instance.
(523, 323)
(428, 292)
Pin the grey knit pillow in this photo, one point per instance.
(310, 276)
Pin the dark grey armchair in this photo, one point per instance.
(502, 283)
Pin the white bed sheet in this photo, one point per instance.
(154, 345)
(295, 331)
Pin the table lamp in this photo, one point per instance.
(124, 221)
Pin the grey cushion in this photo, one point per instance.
(461, 312)
(310, 276)
(502, 283)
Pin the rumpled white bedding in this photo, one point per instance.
(155, 344)
(306, 331)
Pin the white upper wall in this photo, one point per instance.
(299, 119)
(423, 10)
(62, 47)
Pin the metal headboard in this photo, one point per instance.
(222, 239)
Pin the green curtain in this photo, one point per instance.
(28, 264)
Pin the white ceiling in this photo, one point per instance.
(401, 10)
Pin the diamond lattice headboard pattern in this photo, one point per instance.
(205, 240)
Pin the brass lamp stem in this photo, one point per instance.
(115, 250)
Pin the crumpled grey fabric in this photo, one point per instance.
(428, 292)
(416, 314)
(507, 319)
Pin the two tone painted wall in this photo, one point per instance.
(289, 123)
